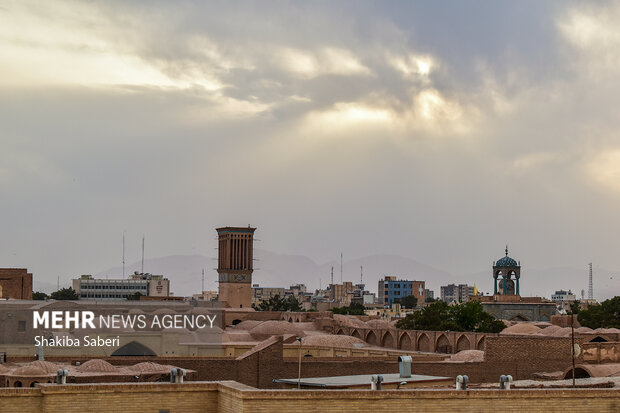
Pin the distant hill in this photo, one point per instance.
(273, 269)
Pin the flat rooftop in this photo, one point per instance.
(364, 380)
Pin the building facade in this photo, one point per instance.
(15, 283)
(390, 288)
(147, 285)
(457, 293)
(563, 299)
(235, 265)
(260, 294)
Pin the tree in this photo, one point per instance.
(605, 315)
(439, 316)
(407, 302)
(64, 294)
(39, 296)
(430, 317)
(276, 303)
(135, 296)
(574, 307)
(352, 309)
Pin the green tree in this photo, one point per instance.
(439, 316)
(430, 317)
(135, 296)
(39, 296)
(276, 303)
(353, 309)
(407, 302)
(574, 307)
(605, 315)
(64, 294)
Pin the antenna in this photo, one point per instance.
(142, 271)
(590, 286)
(341, 268)
(332, 274)
(203, 279)
(123, 254)
(58, 284)
(361, 274)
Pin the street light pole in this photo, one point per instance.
(572, 335)
(299, 370)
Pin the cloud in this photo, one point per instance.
(604, 169)
(406, 128)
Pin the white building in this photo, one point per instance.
(150, 285)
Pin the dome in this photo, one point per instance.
(30, 371)
(506, 261)
(46, 366)
(96, 366)
(521, 328)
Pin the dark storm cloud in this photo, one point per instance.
(439, 131)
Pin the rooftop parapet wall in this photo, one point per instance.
(229, 397)
(597, 353)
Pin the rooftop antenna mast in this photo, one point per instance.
(361, 274)
(142, 268)
(123, 254)
(332, 274)
(203, 279)
(341, 268)
(590, 286)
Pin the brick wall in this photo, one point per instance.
(230, 397)
(519, 356)
(15, 283)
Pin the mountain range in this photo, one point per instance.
(282, 270)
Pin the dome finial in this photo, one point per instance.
(506, 249)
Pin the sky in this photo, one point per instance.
(439, 131)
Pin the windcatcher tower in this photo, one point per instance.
(235, 267)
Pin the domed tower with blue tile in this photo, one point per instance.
(508, 271)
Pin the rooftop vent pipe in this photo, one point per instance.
(176, 375)
(504, 382)
(461, 382)
(61, 376)
(404, 366)
(375, 382)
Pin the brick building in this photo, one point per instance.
(15, 283)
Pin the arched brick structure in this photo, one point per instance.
(388, 340)
(356, 333)
(424, 343)
(341, 332)
(462, 343)
(481, 343)
(405, 342)
(443, 345)
(372, 338)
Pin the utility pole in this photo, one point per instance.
(341, 268)
(123, 254)
(572, 347)
(590, 285)
(299, 372)
(142, 270)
